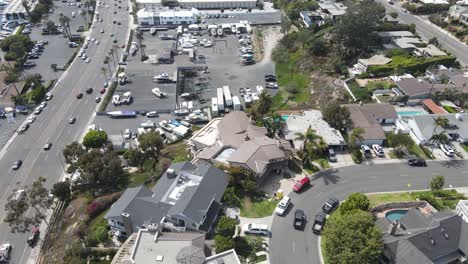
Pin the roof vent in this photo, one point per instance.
(458, 116)
(159, 258)
(171, 173)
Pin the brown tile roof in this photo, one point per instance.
(433, 107)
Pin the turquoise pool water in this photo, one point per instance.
(284, 117)
(410, 113)
(395, 215)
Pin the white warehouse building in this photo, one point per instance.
(217, 4)
(150, 17)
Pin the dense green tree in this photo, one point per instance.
(437, 183)
(230, 198)
(356, 201)
(101, 172)
(356, 137)
(72, 152)
(336, 116)
(399, 142)
(226, 226)
(61, 190)
(13, 40)
(262, 106)
(95, 139)
(352, 238)
(354, 31)
(135, 158)
(151, 144)
(223, 243)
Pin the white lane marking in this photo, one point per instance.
(294, 246)
(47, 155)
(22, 255)
(53, 107)
(403, 175)
(373, 177)
(435, 173)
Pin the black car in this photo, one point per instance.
(417, 163)
(17, 164)
(98, 99)
(79, 96)
(319, 222)
(270, 78)
(299, 219)
(330, 205)
(89, 90)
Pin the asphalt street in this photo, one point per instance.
(292, 246)
(52, 125)
(428, 30)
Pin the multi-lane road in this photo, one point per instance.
(301, 247)
(427, 30)
(52, 124)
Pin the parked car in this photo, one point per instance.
(31, 119)
(37, 110)
(23, 128)
(332, 155)
(72, 120)
(98, 99)
(366, 151)
(79, 96)
(283, 205)
(330, 205)
(417, 162)
(301, 184)
(299, 219)
(152, 114)
(255, 229)
(271, 85)
(17, 164)
(43, 104)
(49, 96)
(319, 222)
(270, 78)
(379, 152)
(32, 239)
(103, 91)
(127, 134)
(447, 149)
(89, 90)
(29, 64)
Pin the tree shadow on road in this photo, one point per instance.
(328, 176)
(453, 163)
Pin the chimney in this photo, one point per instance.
(393, 228)
(171, 173)
(127, 221)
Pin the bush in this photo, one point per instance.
(230, 198)
(226, 226)
(425, 9)
(100, 204)
(356, 155)
(426, 151)
(410, 65)
(356, 201)
(430, 199)
(95, 139)
(37, 94)
(223, 243)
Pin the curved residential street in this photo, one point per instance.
(292, 246)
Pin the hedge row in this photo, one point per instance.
(425, 9)
(412, 67)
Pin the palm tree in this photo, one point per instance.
(104, 71)
(263, 105)
(274, 124)
(441, 138)
(139, 36)
(106, 61)
(441, 122)
(308, 136)
(65, 22)
(356, 135)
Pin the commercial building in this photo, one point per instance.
(167, 17)
(15, 10)
(234, 141)
(217, 4)
(186, 197)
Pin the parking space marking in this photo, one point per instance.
(294, 246)
(404, 175)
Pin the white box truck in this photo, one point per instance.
(236, 103)
(214, 106)
(260, 89)
(220, 99)
(227, 96)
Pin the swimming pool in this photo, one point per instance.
(410, 113)
(395, 215)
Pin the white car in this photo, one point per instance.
(127, 134)
(283, 205)
(447, 149)
(96, 42)
(49, 96)
(88, 60)
(152, 114)
(43, 104)
(255, 229)
(84, 57)
(5, 250)
(31, 119)
(148, 124)
(379, 152)
(19, 194)
(38, 110)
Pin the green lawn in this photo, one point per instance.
(257, 208)
(176, 152)
(323, 162)
(260, 258)
(464, 146)
(445, 199)
(384, 98)
(449, 109)
(381, 198)
(416, 150)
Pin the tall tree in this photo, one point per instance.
(35, 197)
(151, 144)
(73, 151)
(352, 238)
(437, 183)
(95, 139)
(439, 122)
(337, 116)
(61, 190)
(356, 136)
(262, 106)
(356, 201)
(65, 22)
(354, 32)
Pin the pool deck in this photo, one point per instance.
(427, 210)
(410, 109)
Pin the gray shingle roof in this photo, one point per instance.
(366, 116)
(414, 86)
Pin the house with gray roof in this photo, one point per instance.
(373, 118)
(234, 141)
(415, 88)
(441, 237)
(422, 127)
(154, 245)
(186, 197)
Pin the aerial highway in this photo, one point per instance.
(52, 124)
(302, 247)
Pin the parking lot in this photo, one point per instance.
(57, 51)
(224, 68)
